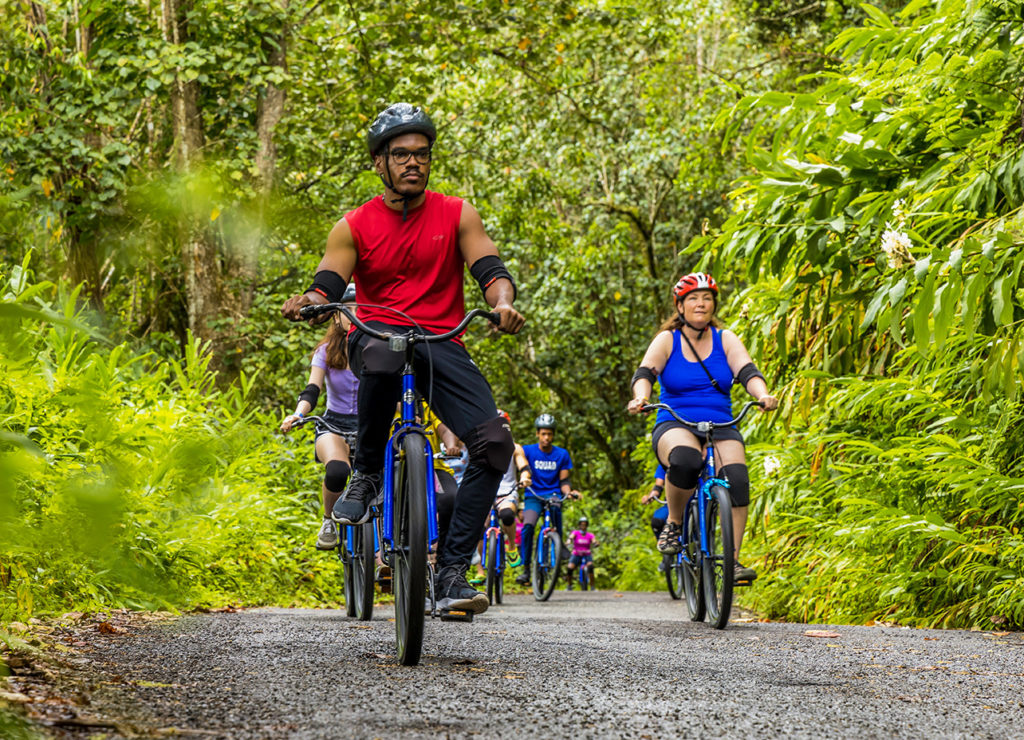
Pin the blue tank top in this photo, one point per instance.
(688, 390)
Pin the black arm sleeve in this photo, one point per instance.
(747, 373)
(490, 268)
(329, 284)
(643, 372)
(310, 393)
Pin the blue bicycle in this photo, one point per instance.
(547, 556)
(707, 555)
(494, 559)
(409, 510)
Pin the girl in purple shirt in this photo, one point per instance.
(334, 434)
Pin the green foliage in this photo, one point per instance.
(133, 481)
(880, 231)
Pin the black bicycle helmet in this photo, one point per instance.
(350, 294)
(545, 421)
(395, 120)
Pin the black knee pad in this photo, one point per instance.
(507, 516)
(739, 483)
(684, 466)
(336, 475)
(490, 444)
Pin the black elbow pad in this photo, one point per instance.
(311, 394)
(488, 269)
(645, 373)
(747, 373)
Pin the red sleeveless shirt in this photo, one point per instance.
(414, 266)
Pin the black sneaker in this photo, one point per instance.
(455, 594)
(353, 506)
(523, 579)
(668, 540)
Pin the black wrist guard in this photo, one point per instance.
(490, 268)
(645, 373)
(329, 284)
(658, 487)
(310, 394)
(747, 373)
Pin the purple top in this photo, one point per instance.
(342, 386)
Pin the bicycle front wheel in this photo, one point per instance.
(546, 563)
(409, 553)
(719, 562)
(362, 568)
(491, 552)
(688, 564)
(674, 576)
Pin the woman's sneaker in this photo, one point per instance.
(668, 540)
(512, 558)
(328, 537)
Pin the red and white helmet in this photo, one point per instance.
(695, 281)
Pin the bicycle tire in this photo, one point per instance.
(491, 553)
(693, 578)
(499, 584)
(717, 569)
(409, 553)
(546, 565)
(363, 568)
(584, 577)
(348, 572)
(674, 577)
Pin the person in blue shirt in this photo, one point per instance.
(547, 474)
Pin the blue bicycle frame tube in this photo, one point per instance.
(408, 426)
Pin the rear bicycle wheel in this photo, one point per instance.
(493, 577)
(689, 564)
(363, 567)
(409, 554)
(718, 566)
(546, 564)
(345, 556)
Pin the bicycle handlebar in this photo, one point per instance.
(701, 426)
(412, 335)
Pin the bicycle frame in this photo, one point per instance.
(705, 482)
(407, 425)
(495, 528)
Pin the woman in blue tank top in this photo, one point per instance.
(695, 363)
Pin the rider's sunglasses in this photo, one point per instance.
(401, 156)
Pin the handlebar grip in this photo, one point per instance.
(311, 311)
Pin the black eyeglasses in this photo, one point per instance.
(401, 156)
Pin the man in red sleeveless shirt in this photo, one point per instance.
(407, 250)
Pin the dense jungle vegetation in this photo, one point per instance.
(853, 174)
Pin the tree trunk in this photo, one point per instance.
(200, 258)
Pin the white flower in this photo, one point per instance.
(771, 464)
(896, 245)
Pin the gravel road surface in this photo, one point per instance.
(599, 664)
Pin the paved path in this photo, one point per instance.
(599, 664)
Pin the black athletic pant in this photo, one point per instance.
(457, 392)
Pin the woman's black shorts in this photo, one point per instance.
(344, 425)
(721, 433)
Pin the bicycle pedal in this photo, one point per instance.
(743, 583)
(450, 615)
